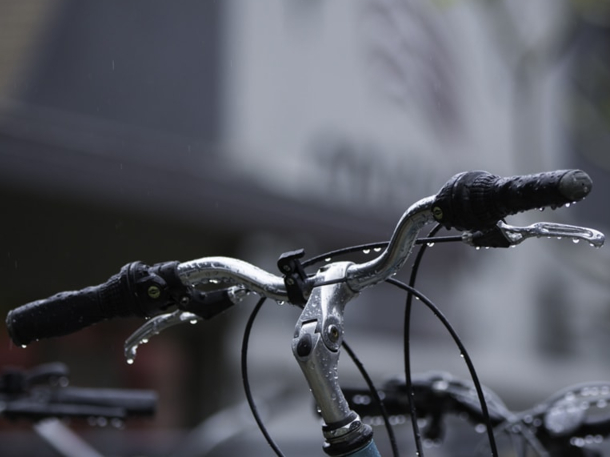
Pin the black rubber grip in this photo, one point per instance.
(138, 290)
(477, 200)
(67, 312)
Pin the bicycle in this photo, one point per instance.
(171, 293)
(558, 426)
(43, 397)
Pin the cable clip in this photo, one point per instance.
(295, 278)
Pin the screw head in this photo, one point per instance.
(304, 346)
(437, 213)
(154, 292)
(333, 333)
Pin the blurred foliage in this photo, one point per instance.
(597, 10)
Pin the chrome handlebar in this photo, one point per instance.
(358, 276)
(319, 331)
(226, 270)
(475, 202)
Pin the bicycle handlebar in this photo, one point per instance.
(471, 200)
(39, 393)
(137, 290)
(477, 200)
(435, 395)
(45, 402)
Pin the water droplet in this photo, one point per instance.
(24, 346)
(366, 251)
(575, 240)
(480, 428)
(327, 259)
(144, 341)
(577, 442)
(430, 245)
(541, 209)
(590, 391)
(377, 249)
(193, 321)
(537, 422)
(478, 248)
(130, 361)
(280, 302)
(117, 423)
(567, 205)
(430, 443)
(516, 429)
(102, 421)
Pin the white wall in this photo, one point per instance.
(372, 104)
(403, 94)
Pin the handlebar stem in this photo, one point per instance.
(316, 346)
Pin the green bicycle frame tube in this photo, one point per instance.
(370, 450)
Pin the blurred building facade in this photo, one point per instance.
(154, 131)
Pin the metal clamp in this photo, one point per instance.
(295, 278)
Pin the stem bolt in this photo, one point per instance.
(304, 346)
(333, 333)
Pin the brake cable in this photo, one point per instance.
(407, 341)
(246, 380)
(411, 291)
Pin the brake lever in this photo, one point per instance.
(200, 306)
(153, 327)
(505, 235)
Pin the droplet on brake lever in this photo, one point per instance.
(153, 327)
(516, 235)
